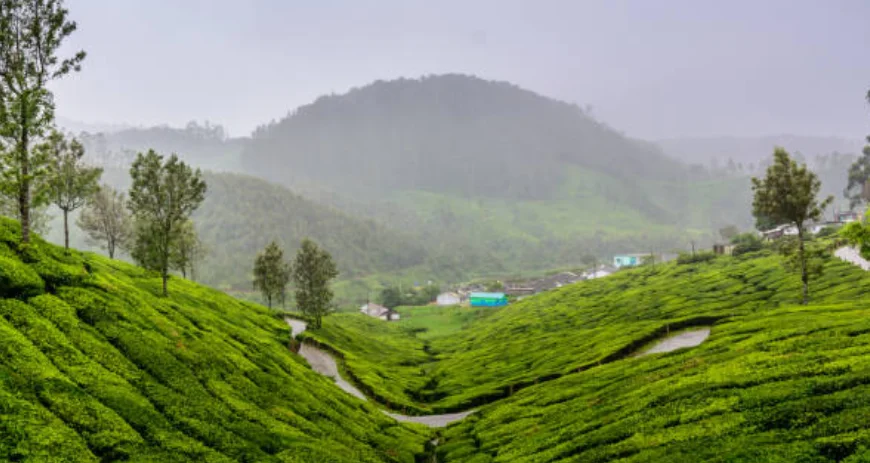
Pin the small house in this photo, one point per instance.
(448, 298)
(378, 311)
(488, 299)
(846, 217)
(628, 260)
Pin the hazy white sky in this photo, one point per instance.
(652, 69)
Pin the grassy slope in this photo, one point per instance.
(94, 366)
(431, 322)
(580, 326)
(785, 385)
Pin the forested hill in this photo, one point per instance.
(241, 214)
(451, 134)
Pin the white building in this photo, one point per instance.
(378, 311)
(448, 299)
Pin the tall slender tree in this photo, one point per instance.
(70, 182)
(788, 194)
(162, 198)
(313, 269)
(31, 35)
(106, 220)
(271, 273)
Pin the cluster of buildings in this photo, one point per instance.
(476, 295)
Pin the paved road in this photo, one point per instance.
(323, 363)
(852, 256)
(678, 341)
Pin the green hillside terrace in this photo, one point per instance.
(94, 366)
(574, 329)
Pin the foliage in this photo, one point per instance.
(101, 369)
(241, 214)
(788, 194)
(694, 258)
(393, 296)
(788, 385)
(745, 243)
(858, 234)
(162, 197)
(579, 326)
(70, 183)
(188, 252)
(31, 35)
(107, 221)
(312, 271)
(272, 273)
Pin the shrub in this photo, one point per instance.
(18, 280)
(698, 257)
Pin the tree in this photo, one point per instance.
(106, 220)
(70, 183)
(31, 35)
(728, 232)
(858, 234)
(271, 273)
(162, 197)
(788, 194)
(188, 250)
(858, 188)
(312, 271)
(391, 297)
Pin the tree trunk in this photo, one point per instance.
(165, 290)
(110, 246)
(66, 229)
(269, 300)
(805, 278)
(24, 188)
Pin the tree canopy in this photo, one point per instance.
(31, 36)
(162, 197)
(313, 269)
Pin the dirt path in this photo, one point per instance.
(323, 363)
(852, 256)
(678, 341)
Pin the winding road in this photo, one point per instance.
(852, 256)
(323, 363)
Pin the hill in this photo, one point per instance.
(526, 181)
(449, 134)
(572, 329)
(94, 366)
(203, 145)
(782, 385)
(241, 214)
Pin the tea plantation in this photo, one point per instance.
(784, 385)
(94, 366)
(573, 329)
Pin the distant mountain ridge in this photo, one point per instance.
(754, 149)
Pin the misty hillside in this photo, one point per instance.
(241, 214)
(203, 145)
(449, 134)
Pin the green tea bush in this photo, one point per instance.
(18, 280)
(95, 366)
(695, 258)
